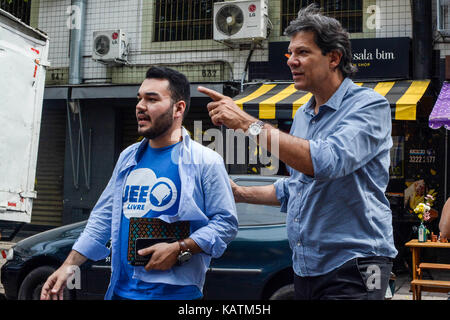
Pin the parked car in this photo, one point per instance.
(256, 265)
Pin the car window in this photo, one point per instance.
(255, 214)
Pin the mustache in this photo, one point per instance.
(142, 116)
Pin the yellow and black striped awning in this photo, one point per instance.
(282, 100)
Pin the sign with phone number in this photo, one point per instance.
(422, 156)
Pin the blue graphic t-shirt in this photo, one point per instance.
(152, 188)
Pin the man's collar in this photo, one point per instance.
(335, 102)
(185, 142)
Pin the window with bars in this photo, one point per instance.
(18, 8)
(348, 12)
(178, 20)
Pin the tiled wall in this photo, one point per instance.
(395, 19)
(440, 43)
(52, 20)
(135, 17)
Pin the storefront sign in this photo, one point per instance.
(380, 58)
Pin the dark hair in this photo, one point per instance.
(179, 85)
(328, 35)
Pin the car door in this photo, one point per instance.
(98, 274)
(259, 251)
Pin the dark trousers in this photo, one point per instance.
(357, 279)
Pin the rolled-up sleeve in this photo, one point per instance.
(220, 208)
(282, 192)
(357, 139)
(93, 239)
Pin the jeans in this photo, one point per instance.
(357, 279)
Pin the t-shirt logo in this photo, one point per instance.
(144, 192)
(160, 194)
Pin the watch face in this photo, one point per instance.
(254, 129)
(184, 257)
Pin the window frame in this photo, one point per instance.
(18, 6)
(285, 17)
(177, 29)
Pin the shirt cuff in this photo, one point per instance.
(214, 246)
(90, 248)
(282, 193)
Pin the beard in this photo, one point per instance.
(159, 126)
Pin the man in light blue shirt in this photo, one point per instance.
(339, 222)
(165, 179)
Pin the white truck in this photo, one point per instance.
(23, 61)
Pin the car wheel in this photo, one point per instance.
(31, 286)
(284, 293)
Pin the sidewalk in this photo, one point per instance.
(402, 287)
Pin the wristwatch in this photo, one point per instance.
(255, 128)
(185, 253)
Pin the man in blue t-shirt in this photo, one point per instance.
(166, 177)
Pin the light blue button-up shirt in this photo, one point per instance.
(206, 200)
(342, 212)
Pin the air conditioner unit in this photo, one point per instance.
(240, 20)
(110, 47)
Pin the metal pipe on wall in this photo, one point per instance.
(77, 12)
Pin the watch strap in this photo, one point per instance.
(260, 123)
(183, 246)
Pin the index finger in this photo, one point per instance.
(45, 290)
(146, 251)
(211, 93)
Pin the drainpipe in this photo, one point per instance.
(422, 39)
(77, 12)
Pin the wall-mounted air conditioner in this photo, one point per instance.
(110, 47)
(240, 20)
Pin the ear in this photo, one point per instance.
(178, 110)
(334, 57)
